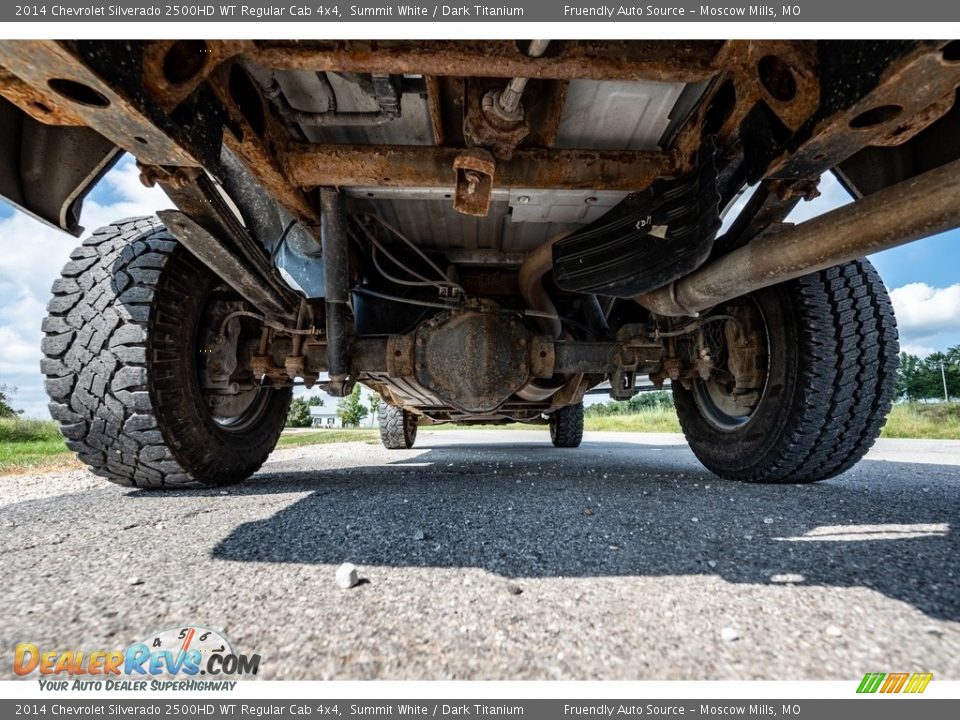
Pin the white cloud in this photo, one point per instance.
(924, 311)
(928, 318)
(31, 258)
(920, 351)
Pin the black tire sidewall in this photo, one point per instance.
(566, 426)
(210, 453)
(410, 424)
(742, 449)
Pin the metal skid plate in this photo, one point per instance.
(473, 360)
(579, 207)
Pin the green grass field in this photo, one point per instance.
(651, 420)
(29, 443)
(940, 421)
(26, 444)
(322, 437)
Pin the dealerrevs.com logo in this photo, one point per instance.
(171, 659)
(890, 683)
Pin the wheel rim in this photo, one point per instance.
(240, 411)
(409, 427)
(249, 416)
(715, 397)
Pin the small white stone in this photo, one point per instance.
(834, 631)
(787, 578)
(728, 634)
(347, 575)
(768, 521)
(135, 581)
(712, 563)
(694, 519)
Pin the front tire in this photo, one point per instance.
(830, 360)
(122, 360)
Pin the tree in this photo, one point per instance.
(907, 376)
(6, 409)
(299, 414)
(373, 402)
(923, 379)
(315, 401)
(650, 400)
(351, 408)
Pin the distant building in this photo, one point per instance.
(324, 417)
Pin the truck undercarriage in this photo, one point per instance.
(481, 232)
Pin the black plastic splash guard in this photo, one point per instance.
(647, 241)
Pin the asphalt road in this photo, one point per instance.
(491, 555)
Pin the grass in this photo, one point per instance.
(940, 421)
(645, 421)
(26, 444)
(322, 437)
(652, 420)
(30, 443)
(935, 421)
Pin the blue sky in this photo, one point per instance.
(924, 277)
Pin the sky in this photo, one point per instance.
(923, 277)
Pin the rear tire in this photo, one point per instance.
(566, 426)
(122, 352)
(830, 379)
(398, 427)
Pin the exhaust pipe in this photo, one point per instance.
(913, 209)
(537, 264)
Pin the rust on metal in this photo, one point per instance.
(228, 265)
(44, 107)
(474, 170)
(258, 148)
(913, 92)
(545, 111)
(47, 64)
(424, 166)
(435, 109)
(172, 69)
(676, 61)
(784, 74)
(486, 125)
(176, 177)
(530, 279)
(473, 360)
